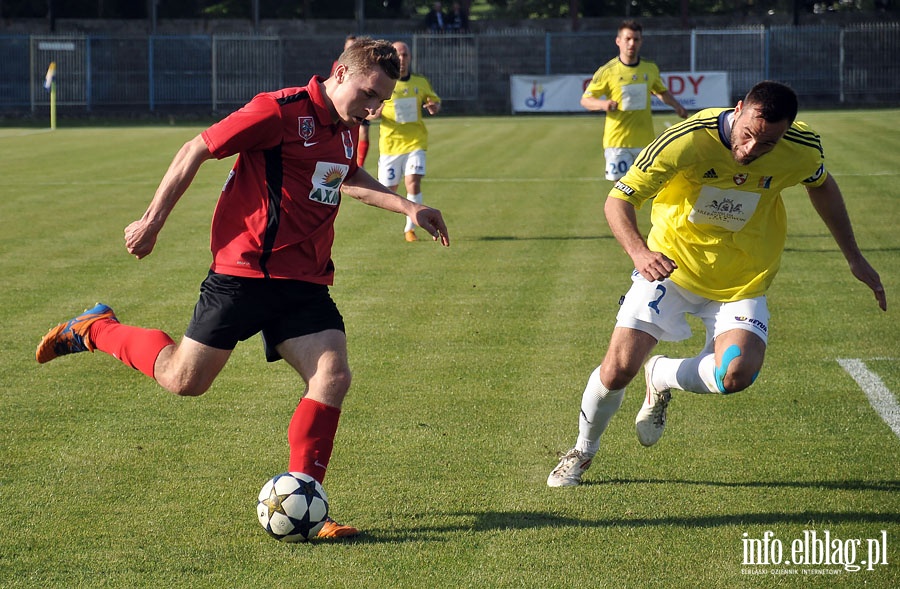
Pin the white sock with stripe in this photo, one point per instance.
(598, 405)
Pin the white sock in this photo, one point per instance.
(598, 404)
(416, 198)
(694, 375)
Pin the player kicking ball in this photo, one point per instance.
(271, 239)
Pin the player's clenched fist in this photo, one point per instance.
(139, 239)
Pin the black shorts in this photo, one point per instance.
(233, 309)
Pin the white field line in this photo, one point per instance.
(881, 399)
(22, 132)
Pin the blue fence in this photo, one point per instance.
(855, 65)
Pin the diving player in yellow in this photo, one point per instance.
(403, 137)
(718, 232)
(626, 82)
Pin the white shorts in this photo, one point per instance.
(618, 160)
(392, 168)
(661, 308)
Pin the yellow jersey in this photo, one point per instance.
(631, 124)
(724, 224)
(402, 124)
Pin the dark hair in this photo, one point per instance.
(367, 53)
(631, 24)
(773, 101)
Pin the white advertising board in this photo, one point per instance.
(693, 90)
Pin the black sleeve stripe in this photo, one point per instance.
(293, 98)
(815, 145)
(799, 133)
(669, 135)
(807, 138)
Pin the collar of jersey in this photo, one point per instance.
(726, 119)
(314, 88)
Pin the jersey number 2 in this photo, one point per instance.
(655, 304)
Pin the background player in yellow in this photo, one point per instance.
(718, 232)
(403, 138)
(622, 87)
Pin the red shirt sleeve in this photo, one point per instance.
(255, 126)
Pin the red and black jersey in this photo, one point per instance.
(275, 216)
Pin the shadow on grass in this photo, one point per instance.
(543, 237)
(528, 520)
(494, 521)
(488, 521)
(892, 486)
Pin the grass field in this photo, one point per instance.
(469, 364)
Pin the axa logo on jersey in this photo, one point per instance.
(326, 183)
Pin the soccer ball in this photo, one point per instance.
(292, 507)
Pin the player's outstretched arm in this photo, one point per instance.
(829, 204)
(140, 236)
(366, 189)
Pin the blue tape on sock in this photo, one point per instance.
(730, 354)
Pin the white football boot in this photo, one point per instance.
(651, 419)
(569, 470)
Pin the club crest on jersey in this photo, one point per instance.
(307, 127)
(739, 178)
(348, 143)
(326, 183)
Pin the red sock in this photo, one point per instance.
(361, 151)
(311, 437)
(135, 346)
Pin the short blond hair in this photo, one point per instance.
(366, 53)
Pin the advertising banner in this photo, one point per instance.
(562, 93)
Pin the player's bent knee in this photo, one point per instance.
(730, 377)
(185, 386)
(736, 382)
(331, 388)
(341, 380)
(615, 378)
(187, 389)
